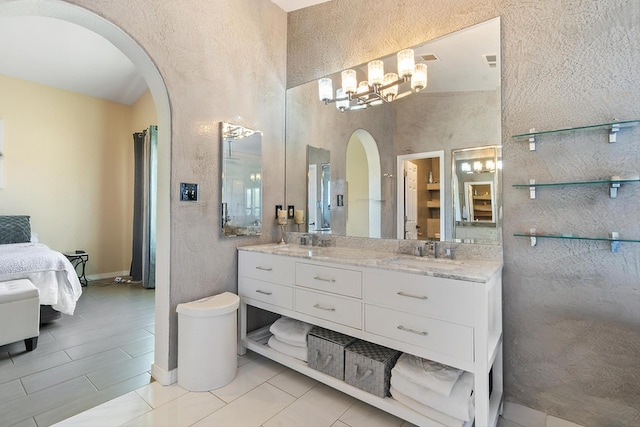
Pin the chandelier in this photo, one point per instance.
(379, 87)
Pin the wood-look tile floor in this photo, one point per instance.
(92, 369)
(103, 351)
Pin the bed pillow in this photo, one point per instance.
(15, 229)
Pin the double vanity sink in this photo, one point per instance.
(469, 270)
(446, 310)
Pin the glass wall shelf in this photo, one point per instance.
(613, 127)
(595, 182)
(613, 183)
(574, 237)
(613, 239)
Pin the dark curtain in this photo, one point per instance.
(138, 206)
(143, 259)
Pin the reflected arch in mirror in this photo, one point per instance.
(363, 185)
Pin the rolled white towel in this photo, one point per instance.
(291, 331)
(291, 343)
(427, 411)
(290, 350)
(427, 373)
(458, 405)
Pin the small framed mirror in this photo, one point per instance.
(318, 189)
(476, 182)
(241, 180)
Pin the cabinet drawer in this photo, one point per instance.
(271, 268)
(443, 337)
(271, 293)
(330, 279)
(445, 299)
(330, 307)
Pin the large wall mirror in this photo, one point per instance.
(459, 109)
(241, 179)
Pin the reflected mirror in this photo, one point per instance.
(476, 177)
(460, 108)
(241, 150)
(318, 189)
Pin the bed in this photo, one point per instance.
(50, 271)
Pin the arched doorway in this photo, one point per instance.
(364, 186)
(145, 65)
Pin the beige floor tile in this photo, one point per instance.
(156, 394)
(321, 406)
(559, 422)
(248, 377)
(111, 414)
(251, 410)
(183, 411)
(294, 383)
(364, 415)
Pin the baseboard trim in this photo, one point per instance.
(162, 376)
(107, 275)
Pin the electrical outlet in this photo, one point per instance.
(188, 192)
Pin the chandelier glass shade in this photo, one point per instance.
(380, 87)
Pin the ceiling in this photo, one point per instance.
(67, 56)
(64, 55)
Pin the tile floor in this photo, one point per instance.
(264, 393)
(92, 369)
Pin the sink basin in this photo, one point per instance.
(424, 263)
(297, 250)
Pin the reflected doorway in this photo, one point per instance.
(363, 186)
(420, 196)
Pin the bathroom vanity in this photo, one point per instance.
(445, 310)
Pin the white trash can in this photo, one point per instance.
(207, 342)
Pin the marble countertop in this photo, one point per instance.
(458, 269)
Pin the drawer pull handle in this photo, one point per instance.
(405, 294)
(263, 292)
(264, 268)
(322, 279)
(413, 331)
(324, 308)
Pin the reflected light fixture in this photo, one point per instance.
(232, 132)
(379, 87)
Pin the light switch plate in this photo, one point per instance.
(188, 192)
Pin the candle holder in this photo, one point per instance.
(282, 222)
(282, 242)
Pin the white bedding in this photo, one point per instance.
(50, 271)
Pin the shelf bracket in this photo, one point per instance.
(613, 132)
(532, 189)
(532, 140)
(532, 232)
(613, 189)
(615, 244)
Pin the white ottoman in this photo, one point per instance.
(19, 313)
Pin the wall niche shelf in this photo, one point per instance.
(613, 127)
(614, 184)
(614, 238)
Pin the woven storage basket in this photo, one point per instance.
(368, 367)
(325, 351)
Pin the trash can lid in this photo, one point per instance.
(216, 305)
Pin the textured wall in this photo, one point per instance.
(571, 308)
(221, 60)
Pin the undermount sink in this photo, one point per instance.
(423, 263)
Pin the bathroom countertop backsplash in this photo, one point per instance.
(469, 262)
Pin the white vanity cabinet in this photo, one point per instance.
(453, 321)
